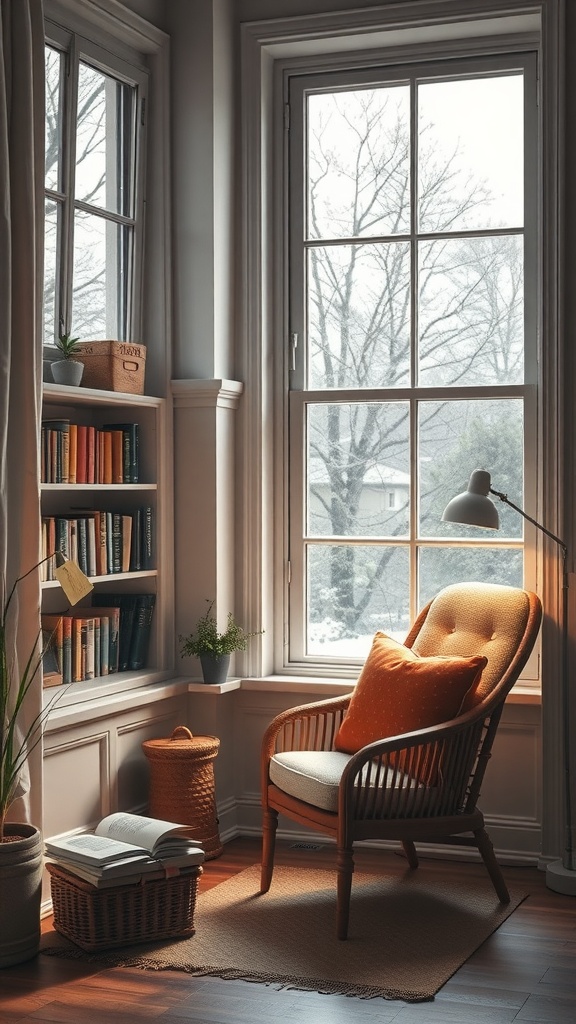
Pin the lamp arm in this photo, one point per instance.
(506, 499)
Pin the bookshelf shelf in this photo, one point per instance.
(116, 577)
(71, 509)
(76, 488)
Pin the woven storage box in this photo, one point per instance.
(182, 784)
(122, 915)
(112, 365)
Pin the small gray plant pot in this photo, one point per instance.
(21, 866)
(67, 371)
(215, 668)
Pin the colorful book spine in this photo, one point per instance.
(73, 454)
(141, 630)
(147, 538)
(82, 454)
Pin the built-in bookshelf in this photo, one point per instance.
(105, 489)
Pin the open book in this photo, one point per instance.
(124, 845)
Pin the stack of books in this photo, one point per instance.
(127, 849)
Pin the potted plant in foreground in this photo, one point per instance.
(21, 846)
(214, 648)
(66, 369)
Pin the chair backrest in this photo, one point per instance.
(499, 622)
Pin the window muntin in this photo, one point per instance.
(425, 300)
(94, 191)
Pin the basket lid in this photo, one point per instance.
(182, 743)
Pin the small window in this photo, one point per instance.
(93, 191)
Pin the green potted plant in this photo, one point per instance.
(66, 369)
(214, 648)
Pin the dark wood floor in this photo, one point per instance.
(526, 971)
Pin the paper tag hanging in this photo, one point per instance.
(72, 580)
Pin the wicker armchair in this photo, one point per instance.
(380, 794)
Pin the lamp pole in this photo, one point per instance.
(474, 507)
(556, 871)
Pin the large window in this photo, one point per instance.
(95, 106)
(413, 330)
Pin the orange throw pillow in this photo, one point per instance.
(398, 692)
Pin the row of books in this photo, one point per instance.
(127, 849)
(101, 543)
(76, 453)
(112, 635)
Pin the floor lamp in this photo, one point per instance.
(474, 507)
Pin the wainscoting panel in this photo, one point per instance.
(95, 765)
(76, 780)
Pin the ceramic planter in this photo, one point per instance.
(20, 894)
(67, 371)
(215, 667)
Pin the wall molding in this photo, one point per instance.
(207, 394)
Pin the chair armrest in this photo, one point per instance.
(308, 727)
(447, 760)
(418, 738)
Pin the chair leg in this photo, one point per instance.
(345, 865)
(269, 826)
(410, 852)
(487, 851)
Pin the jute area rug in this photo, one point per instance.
(407, 935)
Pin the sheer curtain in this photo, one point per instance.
(21, 285)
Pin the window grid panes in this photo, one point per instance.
(408, 241)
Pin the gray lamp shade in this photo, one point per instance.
(473, 507)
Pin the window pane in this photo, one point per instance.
(104, 141)
(354, 590)
(51, 245)
(99, 294)
(53, 118)
(470, 157)
(359, 162)
(471, 319)
(358, 470)
(359, 316)
(455, 439)
(440, 567)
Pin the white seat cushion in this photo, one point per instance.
(314, 776)
(310, 775)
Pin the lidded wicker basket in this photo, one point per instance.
(182, 784)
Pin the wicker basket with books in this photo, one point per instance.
(97, 919)
(134, 879)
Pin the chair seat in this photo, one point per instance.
(310, 775)
(314, 776)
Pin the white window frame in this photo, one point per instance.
(461, 27)
(297, 85)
